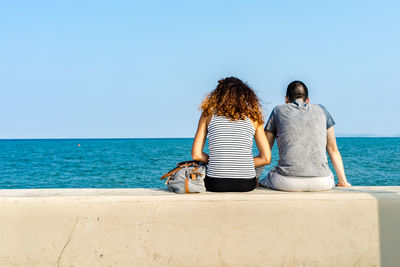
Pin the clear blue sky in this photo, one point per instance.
(140, 69)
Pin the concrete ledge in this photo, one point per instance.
(359, 226)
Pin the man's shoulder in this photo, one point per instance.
(329, 120)
(279, 108)
(316, 105)
(319, 107)
(286, 107)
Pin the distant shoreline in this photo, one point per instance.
(162, 138)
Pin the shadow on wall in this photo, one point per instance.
(389, 224)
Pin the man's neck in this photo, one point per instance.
(298, 100)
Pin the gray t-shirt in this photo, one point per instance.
(300, 132)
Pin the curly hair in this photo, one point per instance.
(233, 99)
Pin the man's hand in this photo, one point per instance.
(336, 158)
(343, 184)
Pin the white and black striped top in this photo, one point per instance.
(230, 145)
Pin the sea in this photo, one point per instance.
(139, 163)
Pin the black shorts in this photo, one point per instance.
(229, 184)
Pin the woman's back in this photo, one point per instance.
(230, 145)
(231, 117)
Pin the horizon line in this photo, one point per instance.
(137, 138)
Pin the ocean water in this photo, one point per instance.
(139, 163)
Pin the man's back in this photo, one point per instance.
(300, 131)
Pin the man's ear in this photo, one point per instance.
(308, 100)
(287, 100)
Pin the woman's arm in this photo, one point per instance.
(336, 158)
(200, 140)
(264, 157)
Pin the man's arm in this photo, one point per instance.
(270, 138)
(336, 158)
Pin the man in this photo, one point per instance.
(304, 132)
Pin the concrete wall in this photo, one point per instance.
(138, 227)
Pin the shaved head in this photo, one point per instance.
(296, 90)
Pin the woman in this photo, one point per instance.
(231, 117)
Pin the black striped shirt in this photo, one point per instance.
(230, 145)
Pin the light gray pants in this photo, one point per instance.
(297, 184)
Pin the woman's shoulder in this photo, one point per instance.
(206, 118)
(255, 124)
(226, 120)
